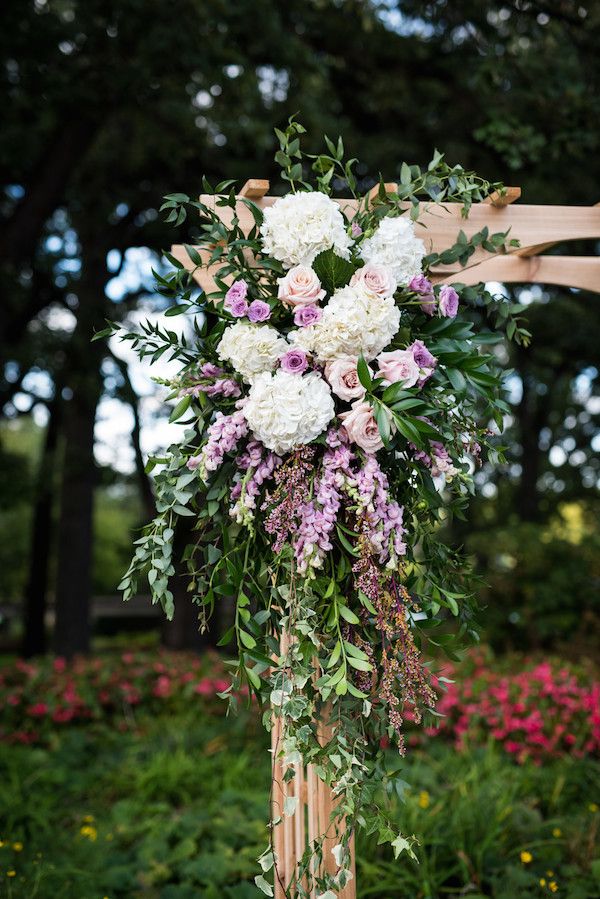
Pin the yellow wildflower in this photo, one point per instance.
(542, 881)
(2, 843)
(88, 831)
(549, 873)
(88, 819)
(526, 857)
(557, 832)
(11, 873)
(18, 847)
(553, 886)
(424, 799)
(592, 807)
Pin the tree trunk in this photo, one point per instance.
(34, 638)
(75, 531)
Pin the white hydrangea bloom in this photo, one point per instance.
(297, 227)
(354, 321)
(251, 348)
(285, 410)
(394, 245)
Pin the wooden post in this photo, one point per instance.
(312, 819)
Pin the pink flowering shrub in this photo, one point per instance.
(539, 711)
(532, 710)
(39, 697)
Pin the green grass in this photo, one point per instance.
(179, 804)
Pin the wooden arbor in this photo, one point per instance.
(537, 228)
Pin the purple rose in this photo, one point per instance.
(307, 315)
(238, 308)
(259, 311)
(422, 285)
(422, 356)
(294, 362)
(237, 291)
(448, 301)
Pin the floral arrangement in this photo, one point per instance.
(336, 406)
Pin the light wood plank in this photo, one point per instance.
(567, 271)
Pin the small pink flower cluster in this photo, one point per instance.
(259, 465)
(381, 517)
(213, 384)
(224, 434)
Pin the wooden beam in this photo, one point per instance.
(582, 272)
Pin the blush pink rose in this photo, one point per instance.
(398, 366)
(300, 287)
(343, 378)
(361, 427)
(375, 278)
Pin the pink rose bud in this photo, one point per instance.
(361, 427)
(306, 315)
(399, 366)
(294, 362)
(448, 301)
(356, 229)
(300, 287)
(376, 279)
(259, 311)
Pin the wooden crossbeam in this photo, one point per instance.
(536, 228)
(581, 272)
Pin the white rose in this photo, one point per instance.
(354, 321)
(286, 410)
(394, 245)
(251, 348)
(297, 227)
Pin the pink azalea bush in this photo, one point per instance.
(540, 711)
(37, 698)
(532, 710)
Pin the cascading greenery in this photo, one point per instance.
(333, 543)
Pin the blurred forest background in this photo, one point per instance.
(109, 104)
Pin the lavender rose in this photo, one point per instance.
(237, 291)
(294, 362)
(307, 315)
(422, 285)
(343, 378)
(399, 366)
(238, 308)
(361, 427)
(448, 301)
(300, 287)
(377, 279)
(424, 359)
(259, 311)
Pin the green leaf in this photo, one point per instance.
(332, 271)
(349, 615)
(181, 408)
(364, 375)
(248, 641)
